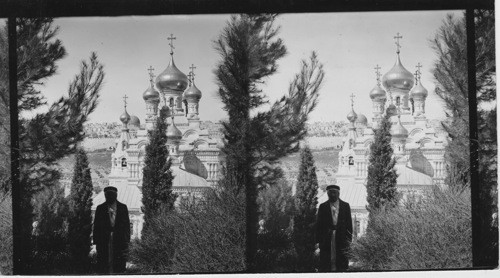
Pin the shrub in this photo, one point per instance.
(204, 235)
(6, 247)
(275, 251)
(432, 233)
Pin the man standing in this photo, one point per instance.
(334, 231)
(111, 233)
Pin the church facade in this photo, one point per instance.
(418, 148)
(194, 151)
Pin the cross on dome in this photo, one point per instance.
(125, 101)
(377, 72)
(192, 67)
(352, 100)
(171, 43)
(151, 74)
(397, 37)
(418, 66)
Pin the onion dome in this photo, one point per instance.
(398, 130)
(377, 93)
(418, 91)
(172, 78)
(134, 121)
(125, 117)
(150, 94)
(398, 77)
(192, 92)
(352, 116)
(173, 133)
(361, 119)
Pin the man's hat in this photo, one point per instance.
(110, 188)
(333, 187)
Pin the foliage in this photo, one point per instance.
(382, 177)
(306, 201)
(48, 136)
(50, 233)
(249, 50)
(6, 246)
(157, 178)
(80, 217)
(4, 111)
(450, 72)
(275, 252)
(431, 233)
(209, 235)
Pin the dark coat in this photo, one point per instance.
(343, 235)
(121, 236)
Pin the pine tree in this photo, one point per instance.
(306, 201)
(52, 135)
(80, 218)
(451, 75)
(249, 51)
(382, 177)
(157, 191)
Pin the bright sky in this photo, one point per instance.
(348, 44)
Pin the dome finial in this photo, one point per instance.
(192, 67)
(151, 74)
(171, 43)
(352, 101)
(418, 66)
(397, 37)
(125, 102)
(377, 72)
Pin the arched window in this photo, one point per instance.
(412, 106)
(124, 162)
(351, 160)
(398, 100)
(171, 102)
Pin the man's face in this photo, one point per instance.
(110, 196)
(333, 195)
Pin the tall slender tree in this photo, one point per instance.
(306, 201)
(80, 214)
(157, 191)
(249, 51)
(48, 136)
(382, 177)
(450, 72)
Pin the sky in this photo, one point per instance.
(349, 45)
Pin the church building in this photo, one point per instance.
(194, 151)
(418, 148)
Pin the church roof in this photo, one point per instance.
(183, 178)
(129, 195)
(408, 176)
(354, 194)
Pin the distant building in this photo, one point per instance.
(418, 148)
(194, 150)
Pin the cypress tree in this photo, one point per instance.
(306, 201)
(80, 217)
(157, 177)
(382, 177)
(52, 135)
(249, 50)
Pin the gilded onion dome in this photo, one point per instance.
(361, 119)
(398, 77)
(151, 94)
(172, 78)
(134, 121)
(377, 93)
(192, 92)
(352, 116)
(173, 133)
(398, 130)
(418, 91)
(125, 117)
